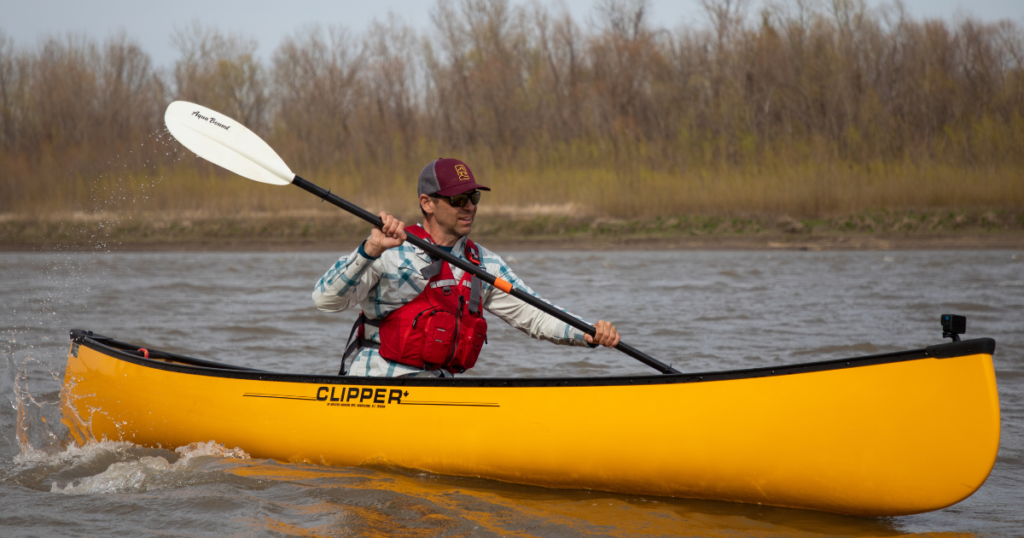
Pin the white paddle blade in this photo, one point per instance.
(226, 143)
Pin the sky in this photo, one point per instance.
(151, 23)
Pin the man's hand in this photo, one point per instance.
(606, 335)
(381, 239)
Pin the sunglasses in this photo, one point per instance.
(460, 200)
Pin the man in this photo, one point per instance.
(422, 316)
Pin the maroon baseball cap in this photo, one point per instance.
(447, 177)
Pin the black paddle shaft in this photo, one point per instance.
(476, 271)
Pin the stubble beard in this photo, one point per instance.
(460, 229)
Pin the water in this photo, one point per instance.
(698, 310)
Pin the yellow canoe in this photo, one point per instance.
(884, 435)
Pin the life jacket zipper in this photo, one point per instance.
(417, 318)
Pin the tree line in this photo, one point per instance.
(528, 90)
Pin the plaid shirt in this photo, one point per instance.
(380, 286)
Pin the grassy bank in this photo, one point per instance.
(586, 180)
(528, 227)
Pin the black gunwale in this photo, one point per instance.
(193, 366)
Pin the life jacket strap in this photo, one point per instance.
(352, 344)
(432, 270)
(474, 295)
(473, 253)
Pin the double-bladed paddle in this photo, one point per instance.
(229, 144)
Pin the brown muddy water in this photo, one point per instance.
(698, 310)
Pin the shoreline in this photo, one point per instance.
(824, 242)
(906, 230)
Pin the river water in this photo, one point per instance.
(700, 311)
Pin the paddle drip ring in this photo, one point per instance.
(145, 352)
(324, 197)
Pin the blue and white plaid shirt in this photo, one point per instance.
(382, 285)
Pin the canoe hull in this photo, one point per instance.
(876, 440)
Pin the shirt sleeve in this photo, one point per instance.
(347, 283)
(524, 317)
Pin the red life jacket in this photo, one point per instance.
(444, 326)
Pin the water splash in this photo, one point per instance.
(36, 421)
(135, 468)
(210, 448)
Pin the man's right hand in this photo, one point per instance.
(381, 239)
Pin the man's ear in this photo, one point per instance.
(426, 205)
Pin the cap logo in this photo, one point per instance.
(462, 171)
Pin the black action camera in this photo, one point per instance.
(953, 326)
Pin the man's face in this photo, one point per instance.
(456, 221)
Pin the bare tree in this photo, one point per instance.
(13, 93)
(132, 95)
(624, 18)
(726, 18)
(221, 72)
(393, 80)
(319, 88)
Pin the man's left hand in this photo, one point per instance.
(606, 335)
